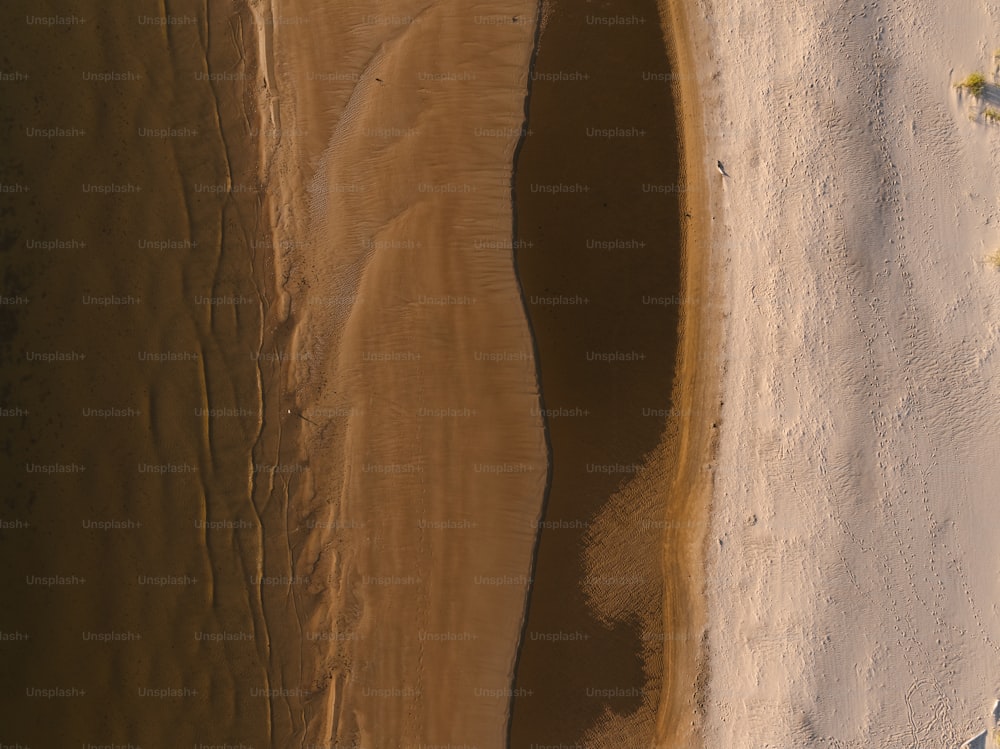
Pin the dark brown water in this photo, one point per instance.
(132, 234)
(598, 256)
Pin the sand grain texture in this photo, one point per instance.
(852, 595)
(410, 363)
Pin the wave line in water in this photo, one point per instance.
(536, 40)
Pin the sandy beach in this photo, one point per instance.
(851, 584)
(346, 404)
(409, 365)
(411, 391)
(537, 375)
(826, 467)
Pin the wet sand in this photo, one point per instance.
(697, 391)
(131, 375)
(411, 375)
(410, 363)
(332, 367)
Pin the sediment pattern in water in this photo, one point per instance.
(598, 255)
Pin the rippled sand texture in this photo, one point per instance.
(409, 362)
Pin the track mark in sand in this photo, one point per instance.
(916, 654)
(880, 354)
(370, 66)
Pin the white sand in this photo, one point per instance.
(853, 600)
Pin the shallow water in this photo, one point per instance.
(598, 255)
(130, 380)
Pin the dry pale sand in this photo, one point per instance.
(410, 361)
(853, 580)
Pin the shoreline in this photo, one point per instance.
(607, 356)
(697, 405)
(533, 564)
(688, 507)
(277, 430)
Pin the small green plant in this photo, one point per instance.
(993, 115)
(994, 259)
(975, 83)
